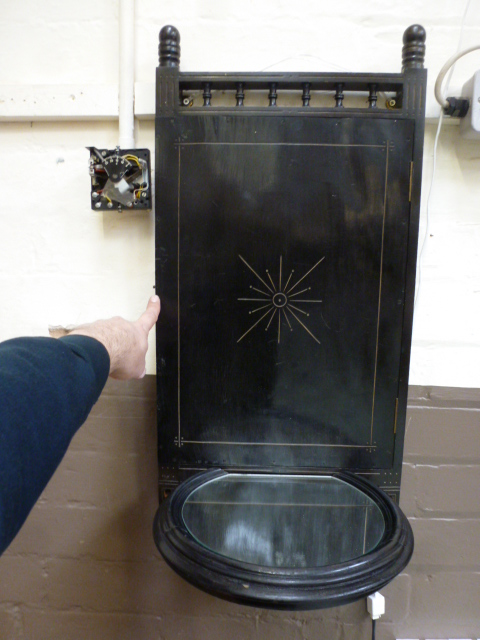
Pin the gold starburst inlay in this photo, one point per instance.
(279, 301)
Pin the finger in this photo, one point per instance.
(150, 315)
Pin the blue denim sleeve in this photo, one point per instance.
(47, 389)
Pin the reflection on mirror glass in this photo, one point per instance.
(283, 521)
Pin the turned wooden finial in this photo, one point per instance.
(413, 52)
(169, 47)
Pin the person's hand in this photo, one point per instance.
(126, 342)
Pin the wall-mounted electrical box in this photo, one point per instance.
(120, 179)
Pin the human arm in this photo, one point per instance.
(126, 342)
(47, 389)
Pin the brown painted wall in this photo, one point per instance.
(85, 566)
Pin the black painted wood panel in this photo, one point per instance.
(281, 249)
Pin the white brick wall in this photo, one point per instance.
(62, 263)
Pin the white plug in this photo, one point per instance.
(376, 605)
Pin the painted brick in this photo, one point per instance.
(122, 435)
(22, 580)
(448, 489)
(455, 397)
(11, 625)
(102, 586)
(62, 532)
(442, 435)
(284, 628)
(144, 388)
(175, 595)
(119, 424)
(397, 598)
(123, 407)
(352, 613)
(302, 626)
(389, 631)
(51, 65)
(440, 490)
(443, 605)
(75, 625)
(355, 614)
(130, 587)
(102, 481)
(432, 397)
(185, 627)
(358, 631)
(446, 543)
(407, 489)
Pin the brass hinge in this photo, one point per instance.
(410, 187)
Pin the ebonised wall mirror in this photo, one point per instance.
(287, 210)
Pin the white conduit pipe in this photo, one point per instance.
(126, 75)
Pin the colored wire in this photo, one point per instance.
(134, 159)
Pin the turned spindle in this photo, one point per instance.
(306, 94)
(207, 95)
(240, 95)
(372, 96)
(272, 96)
(339, 95)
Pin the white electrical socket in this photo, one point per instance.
(470, 125)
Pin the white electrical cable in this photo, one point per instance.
(427, 226)
(126, 74)
(434, 167)
(444, 70)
